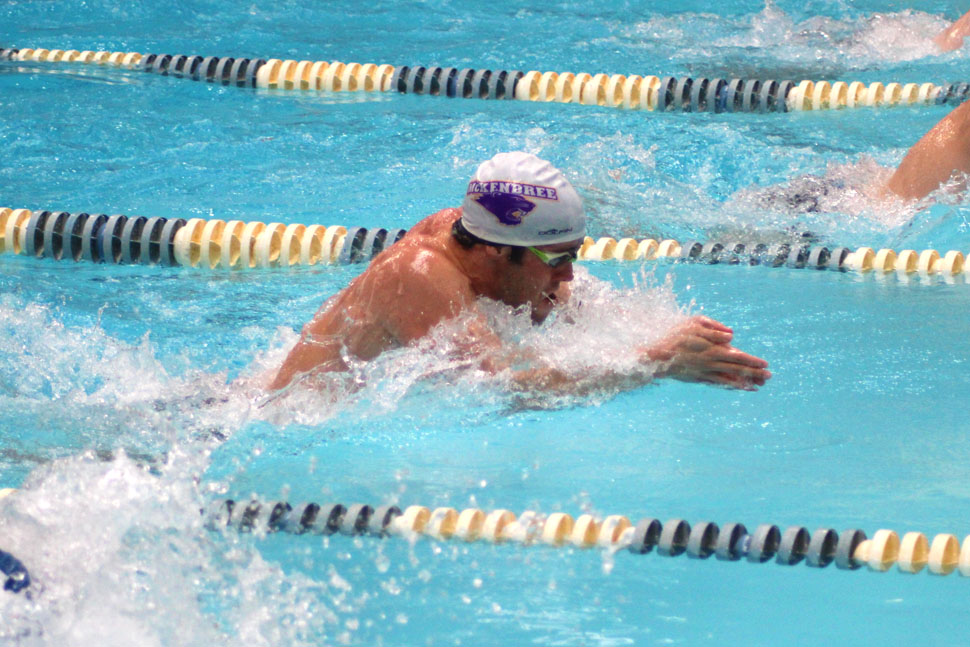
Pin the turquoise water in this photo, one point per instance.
(129, 396)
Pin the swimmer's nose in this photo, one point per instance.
(563, 273)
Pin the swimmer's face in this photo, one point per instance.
(534, 283)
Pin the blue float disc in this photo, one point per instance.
(729, 542)
(480, 84)
(430, 83)
(252, 70)
(73, 230)
(781, 95)
(794, 546)
(167, 241)
(237, 74)
(715, 95)
(54, 235)
(160, 66)
(665, 93)
(764, 543)
(511, 83)
(373, 243)
(91, 236)
(351, 251)
(463, 83)
(175, 66)
(221, 73)
(151, 233)
(205, 69)
(749, 95)
(34, 236)
(646, 535)
(131, 249)
(355, 520)
(398, 78)
(698, 95)
(766, 95)
(682, 92)
(673, 538)
(496, 85)
(110, 239)
(414, 84)
(849, 540)
(446, 81)
(146, 62)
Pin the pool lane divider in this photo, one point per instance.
(196, 242)
(235, 244)
(849, 550)
(779, 254)
(635, 92)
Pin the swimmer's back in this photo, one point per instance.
(396, 299)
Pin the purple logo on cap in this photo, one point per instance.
(508, 208)
(505, 200)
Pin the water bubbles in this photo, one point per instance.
(338, 582)
(382, 562)
(392, 586)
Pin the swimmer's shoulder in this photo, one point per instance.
(427, 247)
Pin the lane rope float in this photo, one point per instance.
(217, 244)
(17, 577)
(633, 92)
(849, 550)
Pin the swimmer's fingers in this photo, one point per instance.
(736, 356)
(735, 371)
(731, 382)
(707, 329)
(724, 367)
(711, 324)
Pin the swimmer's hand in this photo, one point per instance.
(700, 350)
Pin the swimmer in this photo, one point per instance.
(513, 240)
(952, 37)
(941, 157)
(944, 151)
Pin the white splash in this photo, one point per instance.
(595, 334)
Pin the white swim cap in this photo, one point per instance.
(519, 199)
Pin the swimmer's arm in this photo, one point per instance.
(699, 350)
(943, 150)
(315, 350)
(952, 37)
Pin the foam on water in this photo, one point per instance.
(109, 392)
(115, 543)
(773, 38)
(594, 335)
(119, 556)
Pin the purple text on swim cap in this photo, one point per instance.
(514, 188)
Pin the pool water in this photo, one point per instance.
(130, 396)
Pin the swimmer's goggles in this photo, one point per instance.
(556, 259)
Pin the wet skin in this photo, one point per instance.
(942, 152)
(428, 277)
